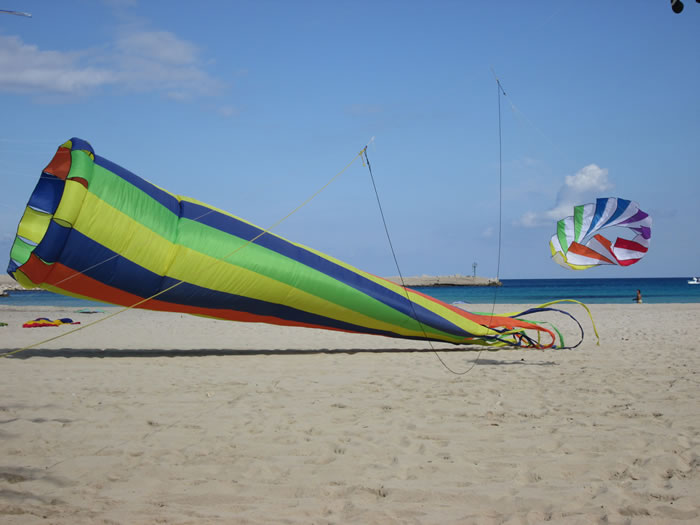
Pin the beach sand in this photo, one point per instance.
(166, 418)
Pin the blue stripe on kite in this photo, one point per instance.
(599, 209)
(86, 256)
(47, 194)
(160, 196)
(247, 232)
(80, 144)
(82, 254)
(52, 244)
(622, 205)
(12, 267)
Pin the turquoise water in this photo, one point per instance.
(44, 298)
(592, 291)
(514, 291)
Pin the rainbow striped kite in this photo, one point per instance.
(578, 245)
(94, 230)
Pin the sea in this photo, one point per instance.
(513, 291)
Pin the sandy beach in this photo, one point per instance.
(167, 418)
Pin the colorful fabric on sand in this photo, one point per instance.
(578, 243)
(94, 230)
(41, 322)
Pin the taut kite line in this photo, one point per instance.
(94, 230)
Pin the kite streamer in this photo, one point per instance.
(94, 230)
(578, 245)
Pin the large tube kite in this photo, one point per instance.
(94, 230)
(579, 243)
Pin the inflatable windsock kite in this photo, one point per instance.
(94, 230)
(579, 243)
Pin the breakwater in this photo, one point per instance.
(446, 280)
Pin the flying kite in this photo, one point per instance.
(578, 243)
(18, 13)
(94, 230)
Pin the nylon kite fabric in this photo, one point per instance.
(578, 245)
(94, 230)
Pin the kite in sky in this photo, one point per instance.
(18, 13)
(94, 230)
(578, 243)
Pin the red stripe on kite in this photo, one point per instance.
(60, 163)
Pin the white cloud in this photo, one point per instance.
(156, 61)
(25, 67)
(487, 233)
(158, 46)
(228, 111)
(588, 178)
(587, 184)
(528, 219)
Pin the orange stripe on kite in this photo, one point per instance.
(60, 164)
(585, 251)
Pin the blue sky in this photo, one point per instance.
(252, 106)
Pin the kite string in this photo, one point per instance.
(138, 303)
(499, 90)
(398, 269)
(500, 184)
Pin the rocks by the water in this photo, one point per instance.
(8, 284)
(446, 280)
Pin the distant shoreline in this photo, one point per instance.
(446, 280)
(8, 284)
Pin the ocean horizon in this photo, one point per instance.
(654, 290)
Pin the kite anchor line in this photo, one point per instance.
(499, 90)
(545, 307)
(366, 162)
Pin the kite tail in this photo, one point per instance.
(516, 331)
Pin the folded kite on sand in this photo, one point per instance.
(41, 322)
(94, 230)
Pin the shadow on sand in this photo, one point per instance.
(206, 352)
